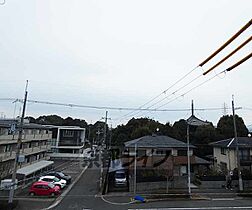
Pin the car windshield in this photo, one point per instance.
(56, 179)
(120, 175)
(51, 185)
(61, 174)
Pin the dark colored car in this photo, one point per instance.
(44, 188)
(60, 175)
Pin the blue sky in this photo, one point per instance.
(121, 54)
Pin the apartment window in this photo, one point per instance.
(223, 151)
(68, 133)
(7, 148)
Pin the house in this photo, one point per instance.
(161, 156)
(67, 141)
(33, 152)
(225, 157)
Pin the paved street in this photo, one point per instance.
(84, 196)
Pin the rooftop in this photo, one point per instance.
(156, 141)
(243, 142)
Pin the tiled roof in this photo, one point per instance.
(156, 141)
(194, 121)
(243, 142)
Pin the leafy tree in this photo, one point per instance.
(179, 130)
(225, 127)
(50, 120)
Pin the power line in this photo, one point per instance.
(229, 55)
(173, 93)
(226, 43)
(163, 92)
(113, 108)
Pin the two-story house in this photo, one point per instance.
(225, 157)
(161, 154)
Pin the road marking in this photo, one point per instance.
(119, 204)
(200, 208)
(223, 199)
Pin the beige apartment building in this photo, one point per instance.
(33, 154)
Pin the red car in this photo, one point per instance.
(44, 188)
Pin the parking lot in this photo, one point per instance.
(72, 168)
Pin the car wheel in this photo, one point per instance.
(59, 186)
(52, 194)
(32, 193)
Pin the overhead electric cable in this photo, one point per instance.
(173, 93)
(163, 92)
(226, 43)
(114, 108)
(229, 55)
(239, 62)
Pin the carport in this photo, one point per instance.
(31, 171)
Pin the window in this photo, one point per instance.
(244, 154)
(182, 152)
(223, 151)
(68, 133)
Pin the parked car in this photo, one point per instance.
(54, 180)
(120, 178)
(44, 188)
(61, 175)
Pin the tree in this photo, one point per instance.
(179, 129)
(50, 120)
(225, 127)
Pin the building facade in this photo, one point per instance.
(34, 147)
(67, 141)
(225, 156)
(154, 157)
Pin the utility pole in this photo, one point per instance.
(19, 141)
(135, 168)
(105, 127)
(237, 148)
(188, 159)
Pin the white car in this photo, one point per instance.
(53, 179)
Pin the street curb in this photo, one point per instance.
(60, 198)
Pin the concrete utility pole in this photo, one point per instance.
(135, 168)
(188, 160)
(19, 141)
(105, 127)
(237, 148)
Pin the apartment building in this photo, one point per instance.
(34, 147)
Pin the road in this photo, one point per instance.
(84, 196)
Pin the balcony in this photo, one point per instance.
(25, 151)
(5, 139)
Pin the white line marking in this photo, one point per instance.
(113, 203)
(223, 199)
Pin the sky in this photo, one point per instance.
(117, 53)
